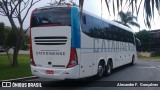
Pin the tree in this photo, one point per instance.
(13, 9)
(144, 37)
(2, 26)
(128, 19)
(135, 5)
(10, 39)
(7, 39)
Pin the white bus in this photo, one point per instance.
(65, 44)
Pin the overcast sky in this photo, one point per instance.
(93, 6)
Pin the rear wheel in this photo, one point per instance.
(108, 69)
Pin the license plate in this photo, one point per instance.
(49, 72)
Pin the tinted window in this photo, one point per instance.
(54, 16)
(97, 28)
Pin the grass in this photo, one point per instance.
(9, 72)
(156, 58)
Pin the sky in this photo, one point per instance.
(93, 6)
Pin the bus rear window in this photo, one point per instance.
(51, 17)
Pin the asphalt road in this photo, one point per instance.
(140, 71)
(20, 52)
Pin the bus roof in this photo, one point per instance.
(48, 7)
(89, 13)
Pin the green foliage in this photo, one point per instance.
(7, 36)
(155, 58)
(144, 37)
(157, 54)
(10, 39)
(25, 42)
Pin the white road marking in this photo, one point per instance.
(150, 67)
(19, 79)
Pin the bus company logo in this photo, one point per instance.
(51, 53)
(6, 84)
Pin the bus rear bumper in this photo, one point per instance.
(57, 74)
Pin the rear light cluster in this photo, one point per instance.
(73, 58)
(31, 52)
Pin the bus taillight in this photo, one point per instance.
(31, 53)
(73, 58)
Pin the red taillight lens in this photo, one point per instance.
(31, 54)
(73, 58)
(32, 62)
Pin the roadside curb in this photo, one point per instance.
(20, 79)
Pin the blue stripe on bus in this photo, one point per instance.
(75, 26)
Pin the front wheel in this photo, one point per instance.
(133, 59)
(100, 71)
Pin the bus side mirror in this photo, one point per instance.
(138, 42)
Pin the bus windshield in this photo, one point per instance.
(51, 17)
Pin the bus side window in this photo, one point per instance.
(84, 19)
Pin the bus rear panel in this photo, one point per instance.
(52, 54)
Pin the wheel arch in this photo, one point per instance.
(101, 60)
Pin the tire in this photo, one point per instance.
(133, 59)
(108, 69)
(100, 71)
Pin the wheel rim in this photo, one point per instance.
(100, 70)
